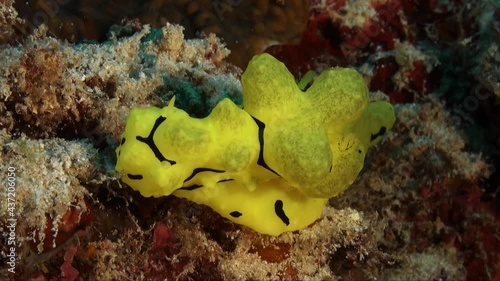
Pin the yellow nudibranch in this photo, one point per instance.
(271, 165)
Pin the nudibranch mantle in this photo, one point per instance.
(271, 165)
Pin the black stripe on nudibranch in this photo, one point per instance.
(123, 141)
(278, 209)
(191, 187)
(330, 169)
(225, 180)
(380, 132)
(199, 170)
(196, 186)
(261, 162)
(236, 214)
(151, 143)
(134, 177)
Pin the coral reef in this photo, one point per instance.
(204, 247)
(51, 89)
(424, 207)
(436, 184)
(54, 168)
(8, 18)
(247, 27)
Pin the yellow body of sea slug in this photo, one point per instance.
(271, 165)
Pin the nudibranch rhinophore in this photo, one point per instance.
(271, 165)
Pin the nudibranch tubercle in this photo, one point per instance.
(271, 165)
